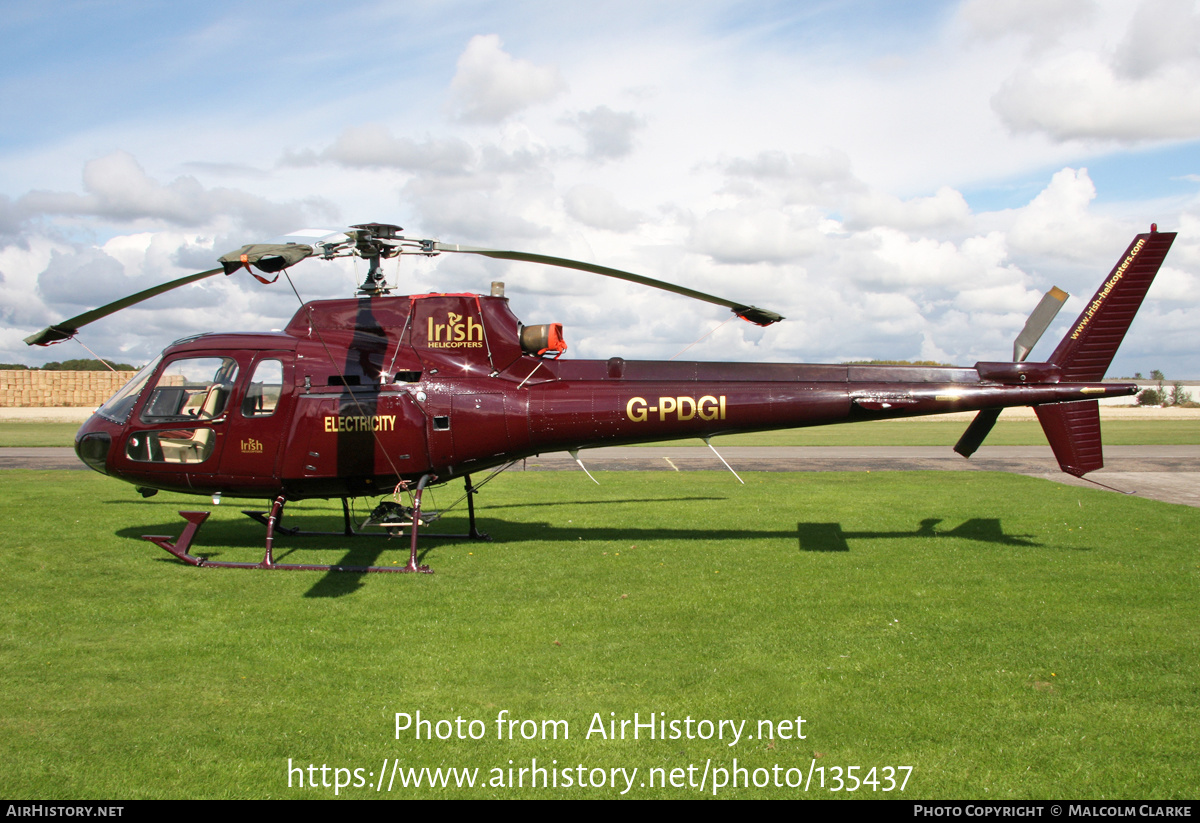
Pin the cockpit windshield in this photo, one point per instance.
(120, 404)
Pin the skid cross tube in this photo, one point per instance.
(472, 533)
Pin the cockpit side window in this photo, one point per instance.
(266, 384)
(191, 389)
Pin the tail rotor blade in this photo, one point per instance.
(1035, 327)
(1038, 322)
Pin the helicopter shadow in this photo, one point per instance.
(830, 537)
(542, 503)
(366, 550)
(813, 537)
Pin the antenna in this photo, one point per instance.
(708, 442)
(575, 453)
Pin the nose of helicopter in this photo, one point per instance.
(93, 441)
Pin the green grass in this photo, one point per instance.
(1005, 637)
(884, 433)
(32, 434)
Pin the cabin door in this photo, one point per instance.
(257, 423)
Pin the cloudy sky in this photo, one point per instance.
(901, 180)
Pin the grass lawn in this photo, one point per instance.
(32, 434)
(929, 432)
(1004, 637)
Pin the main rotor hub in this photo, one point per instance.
(375, 242)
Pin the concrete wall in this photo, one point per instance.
(34, 388)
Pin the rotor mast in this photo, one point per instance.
(373, 242)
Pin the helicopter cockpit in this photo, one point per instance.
(177, 413)
(189, 391)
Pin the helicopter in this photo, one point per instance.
(383, 394)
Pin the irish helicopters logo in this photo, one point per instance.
(1111, 284)
(457, 332)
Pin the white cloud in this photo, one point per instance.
(1003, 298)
(117, 188)
(901, 261)
(1079, 95)
(1057, 223)
(946, 208)
(1173, 285)
(608, 134)
(1043, 21)
(1163, 33)
(86, 278)
(597, 207)
(824, 178)
(484, 214)
(749, 235)
(372, 145)
(491, 84)
(891, 313)
(20, 303)
(1144, 90)
(10, 218)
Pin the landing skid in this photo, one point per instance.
(196, 518)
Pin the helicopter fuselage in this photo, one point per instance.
(356, 395)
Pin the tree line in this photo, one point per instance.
(69, 365)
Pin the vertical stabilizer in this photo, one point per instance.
(1086, 352)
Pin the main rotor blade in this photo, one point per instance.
(68, 328)
(761, 317)
(266, 257)
(1038, 322)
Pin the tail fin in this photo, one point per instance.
(1084, 355)
(1088, 349)
(1073, 430)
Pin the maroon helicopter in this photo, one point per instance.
(382, 395)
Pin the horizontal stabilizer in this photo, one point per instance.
(1073, 430)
